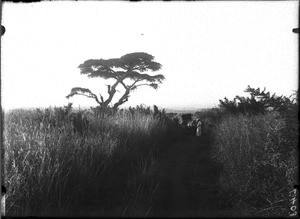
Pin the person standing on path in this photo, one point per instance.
(199, 127)
(196, 125)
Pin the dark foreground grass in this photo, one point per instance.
(259, 155)
(63, 162)
(53, 167)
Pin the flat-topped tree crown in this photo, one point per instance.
(114, 68)
(130, 66)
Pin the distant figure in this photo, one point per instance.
(199, 127)
(195, 126)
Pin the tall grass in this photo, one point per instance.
(107, 170)
(210, 118)
(259, 161)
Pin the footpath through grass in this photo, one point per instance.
(191, 180)
(137, 163)
(245, 166)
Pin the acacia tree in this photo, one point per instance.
(130, 66)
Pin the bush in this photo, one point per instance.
(259, 102)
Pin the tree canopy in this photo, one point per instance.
(130, 66)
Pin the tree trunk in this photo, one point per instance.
(112, 90)
(123, 99)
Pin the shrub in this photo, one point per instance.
(258, 103)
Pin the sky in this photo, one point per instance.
(208, 50)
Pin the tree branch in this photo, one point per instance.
(108, 88)
(84, 92)
(135, 83)
(101, 97)
(129, 86)
(141, 84)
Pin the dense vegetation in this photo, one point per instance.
(66, 162)
(258, 150)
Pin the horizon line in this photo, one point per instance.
(88, 107)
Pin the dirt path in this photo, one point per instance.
(191, 181)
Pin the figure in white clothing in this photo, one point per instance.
(195, 126)
(199, 127)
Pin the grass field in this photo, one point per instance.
(54, 168)
(69, 162)
(259, 156)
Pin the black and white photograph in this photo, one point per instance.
(150, 109)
